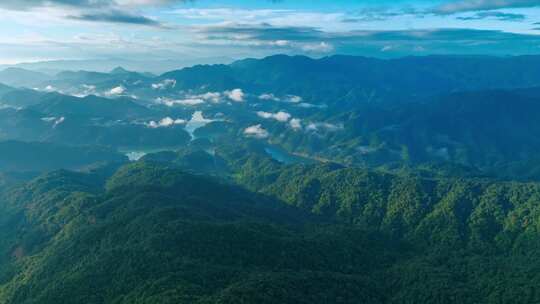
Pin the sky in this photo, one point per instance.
(219, 30)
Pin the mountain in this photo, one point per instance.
(22, 124)
(338, 77)
(330, 80)
(13, 179)
(39, 157)
(55, 104)
(118, 74)
(119, 70)
(155, 234)
(83, 76)
(285, 179)
(4, 89)
(104, 65)
(88, 121)
(211, 77)
(120, 135)
(20, 98)
(486, 129)
(18, 77)
(353, 110)
(196, 206)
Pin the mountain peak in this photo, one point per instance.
(119, 70)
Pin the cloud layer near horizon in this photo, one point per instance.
(172, 29)
(453, 7)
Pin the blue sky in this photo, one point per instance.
(150, 30)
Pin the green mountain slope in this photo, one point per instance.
(21, 156)
(155, 234)
(333, 79)
(172, 238)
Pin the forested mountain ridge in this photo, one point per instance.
(340, 74)
(40, 157)
(411, 204)
(175, 237)
(485, 129)
(456, 211)
(190, 240)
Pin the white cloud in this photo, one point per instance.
(54, 120)
(274, 17)
(296, 124)
(279, 116)
(322, 47)
(282, 116)
(193, 100)
(48, 119)
(310, 105)
(87, 90)
(235, 95)
(282, 42)
(481, 5)
(214, 97)
(317, 126)
(143, 2)
(286, 98)
(182, 102)
(267, 96)
(165, 122)
(190, 101)
(165, 84)
(59, 121)
(50, 88)
(231, 14)
(256, 131)
(119, 90)
(294, 98)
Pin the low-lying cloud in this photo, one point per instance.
(284, 117)
(256, 131)
(198, 99)
(56, 121)
(181, 102)
(296, 124)
(280, 116)
(286, 98)
(236, 95)
(165, 122)
(164, 85)
(323, 126)
(119, 90)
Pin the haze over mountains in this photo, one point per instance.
(353, 110)
(105, 65)
(285, 179)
